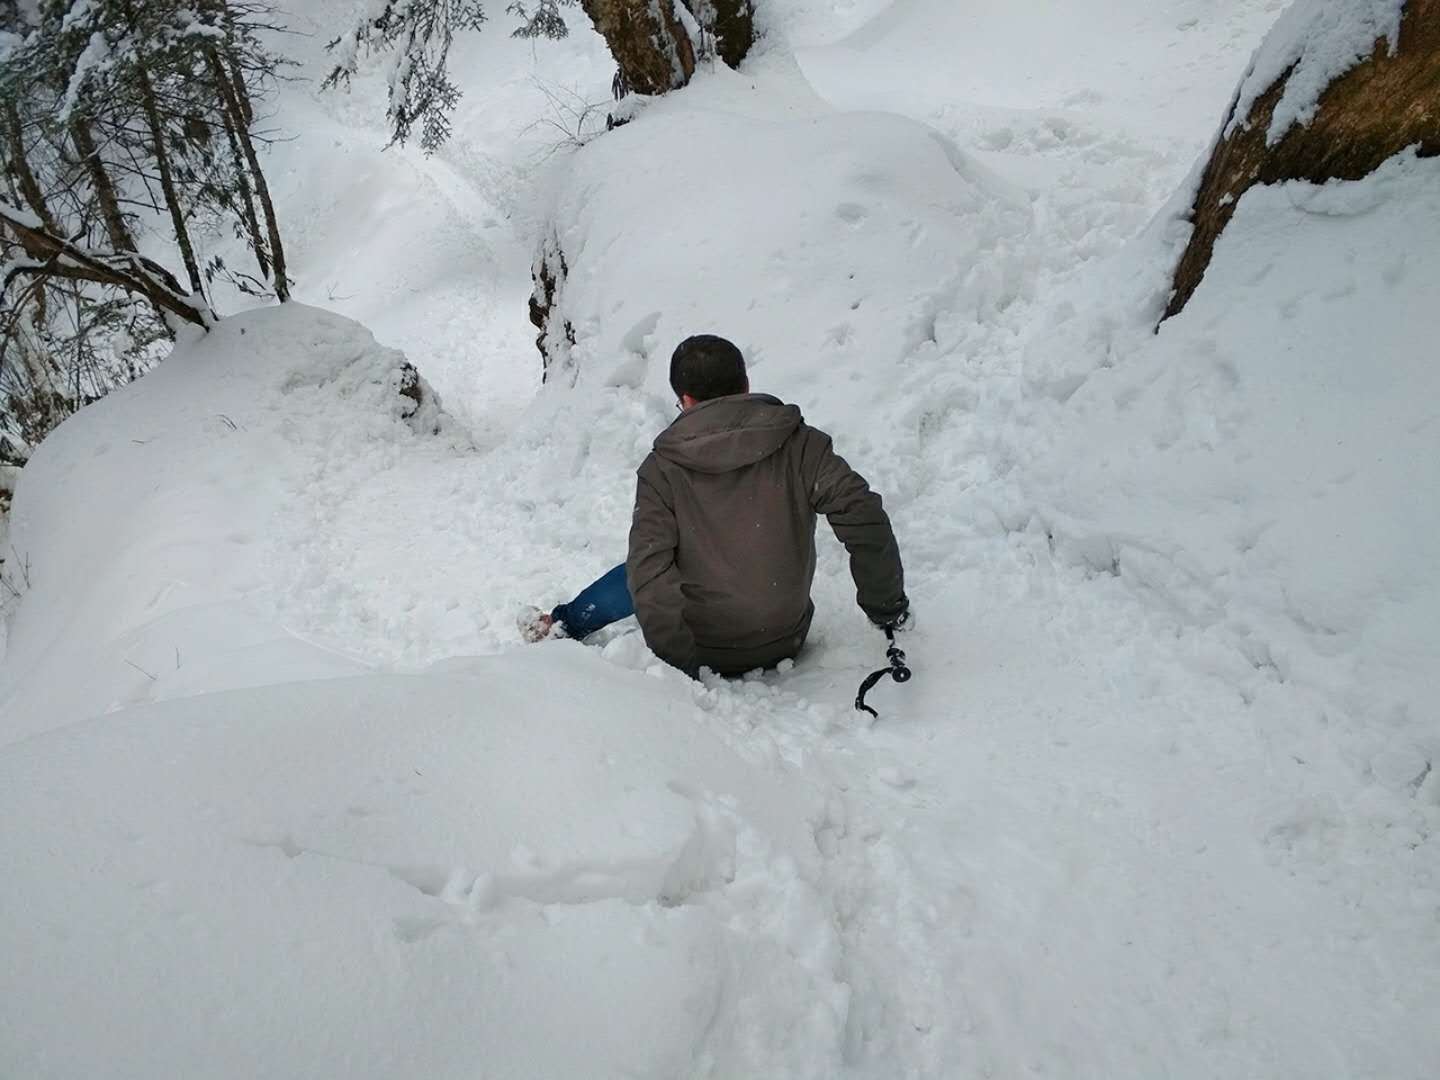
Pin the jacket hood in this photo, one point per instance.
(728, 433)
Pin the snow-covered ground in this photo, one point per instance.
(284, 797)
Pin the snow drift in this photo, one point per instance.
(144, 520)
(383, 876)
(1266, 465)
(839, 266)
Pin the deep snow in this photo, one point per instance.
(1159, 800)
(274, 888)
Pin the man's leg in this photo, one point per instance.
(606, 601)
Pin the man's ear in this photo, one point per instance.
(688, 402)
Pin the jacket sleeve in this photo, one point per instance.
(858, 517)
(654, 578)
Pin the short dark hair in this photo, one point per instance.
(706, 366)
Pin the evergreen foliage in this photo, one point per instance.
(121, 120)
(418, 34)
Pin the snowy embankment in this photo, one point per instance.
(1265, 467)
(391, 875)
(147, 519)
(1158, 801)
(281, 870)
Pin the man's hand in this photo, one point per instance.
(897, 623)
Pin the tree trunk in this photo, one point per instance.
(240, 91)
(115, 226)
(25, 179)
(242, 95)
(554, 342)
(167, 180)
(56, 257)
(648, 41)
(730, 22)
(1381, 106)
(252, 223)
(237, 103)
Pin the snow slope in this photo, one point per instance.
(360, 878)
(1266, 463)
(1158, 802)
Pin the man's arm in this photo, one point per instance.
(654, 578)
(858, 517)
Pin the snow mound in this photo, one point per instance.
(1320, 40)
(414, 875)
(143, 520)
(821, 241)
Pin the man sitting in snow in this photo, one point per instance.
(722, 546)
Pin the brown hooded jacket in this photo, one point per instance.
(722, 546)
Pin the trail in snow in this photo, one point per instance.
(1091, 838)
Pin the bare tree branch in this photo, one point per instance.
(56, 257)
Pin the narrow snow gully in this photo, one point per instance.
(314, 809)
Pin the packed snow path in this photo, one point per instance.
(1095, 836)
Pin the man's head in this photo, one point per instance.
(705, 367)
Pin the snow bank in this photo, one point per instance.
(1321, 40)
(828, 245)
(1267, 465)
(144, 519)
(840, 264)
(426, 875)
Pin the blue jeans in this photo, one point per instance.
(598, 605)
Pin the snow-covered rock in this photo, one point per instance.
(144, 521)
